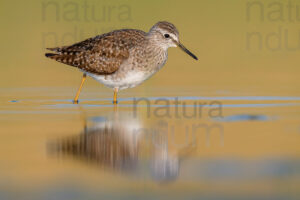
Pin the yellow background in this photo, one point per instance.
(216, 31)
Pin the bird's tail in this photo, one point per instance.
(66, 58)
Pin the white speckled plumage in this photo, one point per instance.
(123, 58)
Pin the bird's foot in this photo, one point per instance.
(75, 101)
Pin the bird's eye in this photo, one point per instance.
(166, 35)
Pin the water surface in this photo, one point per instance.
(212, 147)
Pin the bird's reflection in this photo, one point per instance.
(118, 142)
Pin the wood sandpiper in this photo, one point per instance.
(123, 58)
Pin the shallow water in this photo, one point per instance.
(213, 147)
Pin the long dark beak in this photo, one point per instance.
(186, 50)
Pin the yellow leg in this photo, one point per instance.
(79, 89)
(115, 101)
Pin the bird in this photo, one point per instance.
(122, 58)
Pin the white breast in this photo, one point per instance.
(132, 79)
(127, 78)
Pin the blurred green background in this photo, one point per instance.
(250, 46)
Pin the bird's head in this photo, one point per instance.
(166, 35)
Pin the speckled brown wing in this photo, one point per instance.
(102, 54)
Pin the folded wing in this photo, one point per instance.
(102, 54)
